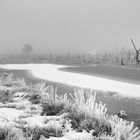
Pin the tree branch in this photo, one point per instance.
(134, 45)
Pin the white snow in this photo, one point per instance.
(79, 136)
(9, 114)
(50, 72)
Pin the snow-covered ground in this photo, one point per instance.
(50, 72)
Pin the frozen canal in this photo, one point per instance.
(50, 72)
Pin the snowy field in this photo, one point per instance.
(50, 72)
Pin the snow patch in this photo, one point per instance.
(50, 72)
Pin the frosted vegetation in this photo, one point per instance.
(36, 112)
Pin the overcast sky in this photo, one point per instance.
(69, 25)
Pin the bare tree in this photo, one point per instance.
(137, 52)
(122, 61)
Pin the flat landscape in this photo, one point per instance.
(120, 73)
(70, 70)
(113, 101)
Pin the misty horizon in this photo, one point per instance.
(75, 26)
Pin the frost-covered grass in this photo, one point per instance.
(37, 112)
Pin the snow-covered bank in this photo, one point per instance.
(50, 72)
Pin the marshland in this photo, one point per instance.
(69, 70)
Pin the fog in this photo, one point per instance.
(69, 25)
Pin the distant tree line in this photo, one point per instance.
(120, 57)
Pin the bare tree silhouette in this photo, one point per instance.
(137, 52)
(27, 49)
